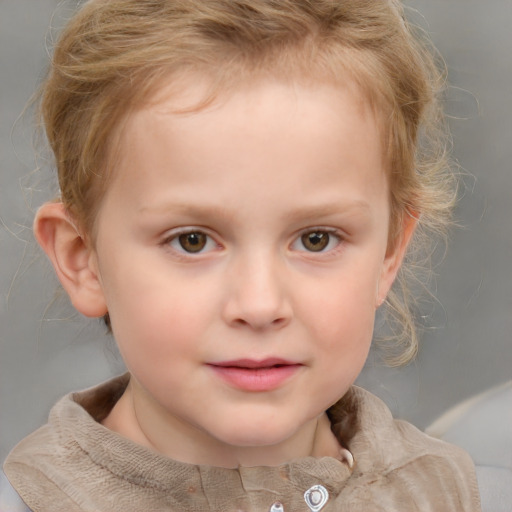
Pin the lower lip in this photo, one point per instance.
(256, 379)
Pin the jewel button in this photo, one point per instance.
(316, 497)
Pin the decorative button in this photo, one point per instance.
(316, 497)
(277, 507)
(347, 457)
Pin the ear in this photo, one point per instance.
(72, 258)
(395, 256)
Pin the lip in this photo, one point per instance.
(256, 375)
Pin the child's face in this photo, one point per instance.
(242, 252)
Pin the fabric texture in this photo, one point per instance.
(10, 500)
(75, 464)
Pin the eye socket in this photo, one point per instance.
(317, 240)
(191, 242)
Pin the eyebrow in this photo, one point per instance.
(186, 209)
(326, 209)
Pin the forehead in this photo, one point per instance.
(193, 95)
(192, 92)
(181, 102)
(312, 131)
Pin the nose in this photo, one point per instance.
(258, 297)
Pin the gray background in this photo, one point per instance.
(46, 350)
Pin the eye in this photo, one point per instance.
(318, 240)
(191, 242)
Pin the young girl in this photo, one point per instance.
(239, 183)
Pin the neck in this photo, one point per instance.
(179, 441)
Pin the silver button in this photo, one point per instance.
(316, 497)
(277, 507)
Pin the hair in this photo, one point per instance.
(114, 55)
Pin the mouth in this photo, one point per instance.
(256, 375)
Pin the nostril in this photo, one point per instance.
(256, 325)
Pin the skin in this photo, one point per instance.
(256, 172)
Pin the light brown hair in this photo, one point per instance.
(115, 54)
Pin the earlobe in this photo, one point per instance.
(72, 258)
(395, 257)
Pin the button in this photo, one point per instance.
(347, 457)
(316, 497)
(277, 507)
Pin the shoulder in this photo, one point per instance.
(9, 499)
(33, 468)
(441, 472)
(49, 467)
(395, 459)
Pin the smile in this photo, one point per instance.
(256, 376)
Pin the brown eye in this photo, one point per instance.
(315, 241)
(193, 242)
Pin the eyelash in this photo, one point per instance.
(174, 241)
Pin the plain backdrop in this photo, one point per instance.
(46, 350)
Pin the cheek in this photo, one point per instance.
(157, 317)
(340, 321)
(343, 305)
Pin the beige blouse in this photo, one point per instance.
(74, 464)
